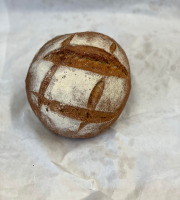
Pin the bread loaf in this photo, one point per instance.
(78, 84)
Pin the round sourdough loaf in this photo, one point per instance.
(79, 83)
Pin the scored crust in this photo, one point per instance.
(90, 54)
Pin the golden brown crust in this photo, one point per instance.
(89, 58)
(83, 114)
(96, 94)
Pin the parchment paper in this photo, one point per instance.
(139, 156)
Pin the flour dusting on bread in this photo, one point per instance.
(121, 57)
(93, 128)
(75, 87)
(59, 121)
(92, 41)
(114, 91)
(38, 71)
(72, 86)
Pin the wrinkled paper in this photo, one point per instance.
(139, 156)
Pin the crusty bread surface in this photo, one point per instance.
(79, 83)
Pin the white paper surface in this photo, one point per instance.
(139, 156)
